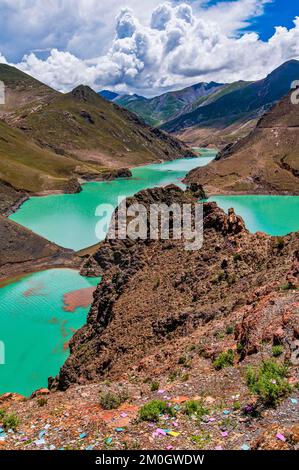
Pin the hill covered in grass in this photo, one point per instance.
(231, 110)
(48, 139)
(160, 109)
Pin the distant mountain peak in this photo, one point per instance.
(85, 93)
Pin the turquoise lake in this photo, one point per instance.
(275, 215)
(70, 220)
(34, 327)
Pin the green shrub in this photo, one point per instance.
(155, 386)
(10, 421)
(195, 408)
(269, 382)
(42, 401)
(236, 405)
(152, 410)
(111, 401)
(229, 330)
(288, 286)
(182, 360)
(277, 350)
(219, 334)
(237, 257)
(184, 377)
(2, 413)
(279, 243)
(225, 359)
(173, 376)
(202, 440)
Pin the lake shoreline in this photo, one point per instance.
(20, 270)
(106, 176)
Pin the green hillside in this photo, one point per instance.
(241, 103)
(155, 111)
(48, 139)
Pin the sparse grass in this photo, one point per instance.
(152, 410)
(277, 350)
(236, 405)
(184, 377)
(111, 401)
(182, 360)
(229, 330)
(10, 421)
(231, 279)
(173, 376)
(201, 440)
(287, 286)
(195, 408)
(279, 243)
(225, 359)
(42, 401)
(269, 382)
(155, 386)
(219, 334)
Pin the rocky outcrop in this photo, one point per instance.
(118, 173)
(72, 186)
(272, 319)
(10, 198)
(157, 291)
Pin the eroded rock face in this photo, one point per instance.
(118, 173)
(154, 292)
(274, 320)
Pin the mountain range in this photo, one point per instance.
(158, 110)
(212, 113)
(49, 140)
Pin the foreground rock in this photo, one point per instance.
(157, 292)
(159, 319)
(265, 162)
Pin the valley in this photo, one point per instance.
(142, 344)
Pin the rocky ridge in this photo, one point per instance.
(161, 319)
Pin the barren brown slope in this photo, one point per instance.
(153, 294)
(23, 251)
(267, 161)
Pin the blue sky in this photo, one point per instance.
(277, 13)
(147, 46)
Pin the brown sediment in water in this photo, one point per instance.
(36, 289)
(78, 298)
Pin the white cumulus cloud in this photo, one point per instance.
(175, 44)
